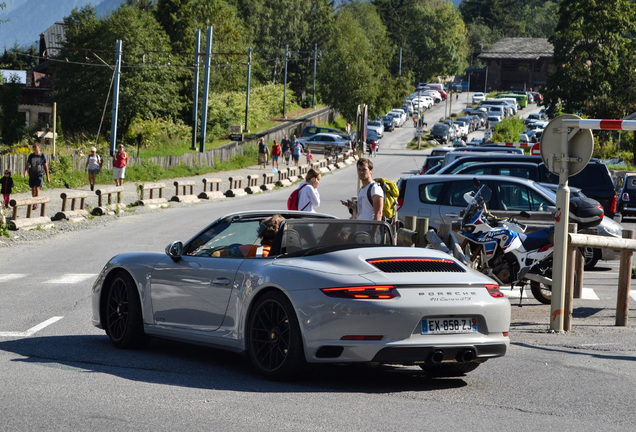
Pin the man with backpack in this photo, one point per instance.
(36, 167)
(366, 209)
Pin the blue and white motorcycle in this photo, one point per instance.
(500, 249)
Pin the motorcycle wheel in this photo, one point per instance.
(591, 256)
(542, 292)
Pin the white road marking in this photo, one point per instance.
(72, 278)
(587, 294)
(11, 276)
(32, 330)
(632, 294)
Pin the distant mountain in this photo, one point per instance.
(28, 18)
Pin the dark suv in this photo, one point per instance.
(595, 180)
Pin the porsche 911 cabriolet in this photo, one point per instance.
(330, 291)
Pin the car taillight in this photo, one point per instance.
(493, 290)
(371, 292)
(613, 206)
(625, 197)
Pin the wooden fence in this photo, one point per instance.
(17, 163)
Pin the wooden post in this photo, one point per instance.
(421, 227)
(579, 270)
(569, 283)
(624, 283)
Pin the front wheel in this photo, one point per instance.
(124, 322)
(591, 257)
(274, 342)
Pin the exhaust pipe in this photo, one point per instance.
(465, 356)
(437, 357)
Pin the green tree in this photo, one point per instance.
(148, 85)
(19, 58)
(594, 57)
(348, 73)
(11, 121)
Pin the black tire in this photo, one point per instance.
(274, 342)
(542, 292)
(448, 369)
(124, 323)
(591, 256)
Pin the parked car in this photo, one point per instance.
(416, 307)
(473, 124)
(533, 117)
(313, 130)
(440, 198)
(478, 97)
(493, 121)
(388, 122)
(440, 132)
(325, 141)
(607, 228)
(399, 117)
(626, 205)
(430, 163)
(441, 151)
(372, 138)
(538, 98)
(595, 180)
(377, 126)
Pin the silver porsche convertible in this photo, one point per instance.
(331, 290)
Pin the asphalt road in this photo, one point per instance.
(59, 373)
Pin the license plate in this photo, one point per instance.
(449, 325)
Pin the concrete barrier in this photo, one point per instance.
(252, 184)
(155, 194)
(30, 221)
(283, 178)
(211, 188)
(236, 187)
(184, 191)
(268, 181)
(105, 202)
(75, 213)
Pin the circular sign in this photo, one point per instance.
(580, 146)
(536, 150)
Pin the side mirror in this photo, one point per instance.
(174, 250)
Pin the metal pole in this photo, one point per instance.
(113, 124)
(486, 81)
(206, 89)
(557, 308)
(400, 68)
(285, 87)
(247, 96)
(313, 100)
(54, 125)
(195, 99)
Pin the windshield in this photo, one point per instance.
(304, 235)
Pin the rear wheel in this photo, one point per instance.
(124, 323)
(448, 369)
(274, 342)
(591, 257)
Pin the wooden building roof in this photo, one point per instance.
(518, 49)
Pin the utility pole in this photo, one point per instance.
(195, 99)
(206, 89)
(247, 97)
(285, 87)
(313, 99)
(113, 125)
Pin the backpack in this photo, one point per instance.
(391, 193)
(292, 201)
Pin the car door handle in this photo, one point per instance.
(221, 281)
(454, 215)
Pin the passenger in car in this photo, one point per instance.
(266, 232)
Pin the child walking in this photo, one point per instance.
(310, 157)
(6, 184)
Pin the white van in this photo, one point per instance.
(436, 86)
(512, 102)
(497, 110)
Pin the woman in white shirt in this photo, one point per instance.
(308, 195)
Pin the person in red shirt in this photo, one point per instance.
(276, 152)
(120, 161)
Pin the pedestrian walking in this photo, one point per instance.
(365, 210)
(286, 149)
(36, 168)
(6, 185)
(262, 153)
(308, 195)
(93, 166)
(276, 152)
(120, 162)
(309, 156)
(297, 150)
